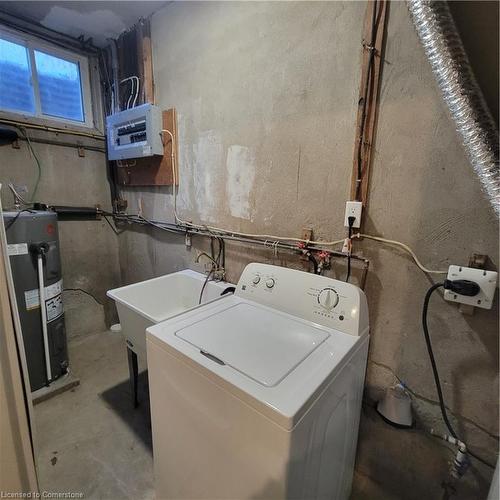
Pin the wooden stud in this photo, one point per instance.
(372, 99)
(140, 65)
(145, 55)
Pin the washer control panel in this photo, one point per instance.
(270, 282)
(319, 299)
(262, 280)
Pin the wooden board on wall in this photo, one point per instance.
(370, 122)
(155, 170)
(144, 52)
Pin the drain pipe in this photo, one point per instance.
(443, 47)
(39, 250)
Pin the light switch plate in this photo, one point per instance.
(487, 281)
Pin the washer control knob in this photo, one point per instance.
(328, 298)
(270, 283)
(256, 280)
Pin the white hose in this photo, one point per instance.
(41, 294)
(404, 247)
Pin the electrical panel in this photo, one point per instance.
(135, 133)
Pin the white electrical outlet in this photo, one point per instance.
(353, 209)
(487, 281)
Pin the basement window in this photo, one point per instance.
(41, 81)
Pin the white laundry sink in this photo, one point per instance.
(146, 303)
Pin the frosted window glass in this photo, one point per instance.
(16, 89)
(60, 87)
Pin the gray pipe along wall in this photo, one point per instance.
(450, 64)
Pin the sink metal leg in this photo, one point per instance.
(133, 370)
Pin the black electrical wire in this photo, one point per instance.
(482, 460)
(365, 94)
(436, 374)
(115, 230)
(223, 245)
(374, 30)
(348, 275)
(217, 263)
(177, 229)
(350, 221)
(13, 221)
(219, 251)
(432, 359)
(313, 261)
(139, 218)
(205, 283)
(212, 248)
(220, 260)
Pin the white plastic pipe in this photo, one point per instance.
(41, 295)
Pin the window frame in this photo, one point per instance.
(33, 43)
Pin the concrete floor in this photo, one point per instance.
(90, 439)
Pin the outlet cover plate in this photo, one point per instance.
(487, 281)
(354, 209)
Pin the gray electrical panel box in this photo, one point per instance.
(135, 133)
(25, 229)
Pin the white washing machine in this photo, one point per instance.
(259, 395)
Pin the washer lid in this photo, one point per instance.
(303, 378)
(256, 342)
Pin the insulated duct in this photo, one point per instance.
(443, 47)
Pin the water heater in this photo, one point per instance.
(33, 248)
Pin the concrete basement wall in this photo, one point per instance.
(89, 249)
(483, 51)
(266, 98)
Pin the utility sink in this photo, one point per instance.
(146, 303)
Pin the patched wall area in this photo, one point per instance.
(266, 95)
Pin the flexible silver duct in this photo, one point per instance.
(443, 47)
